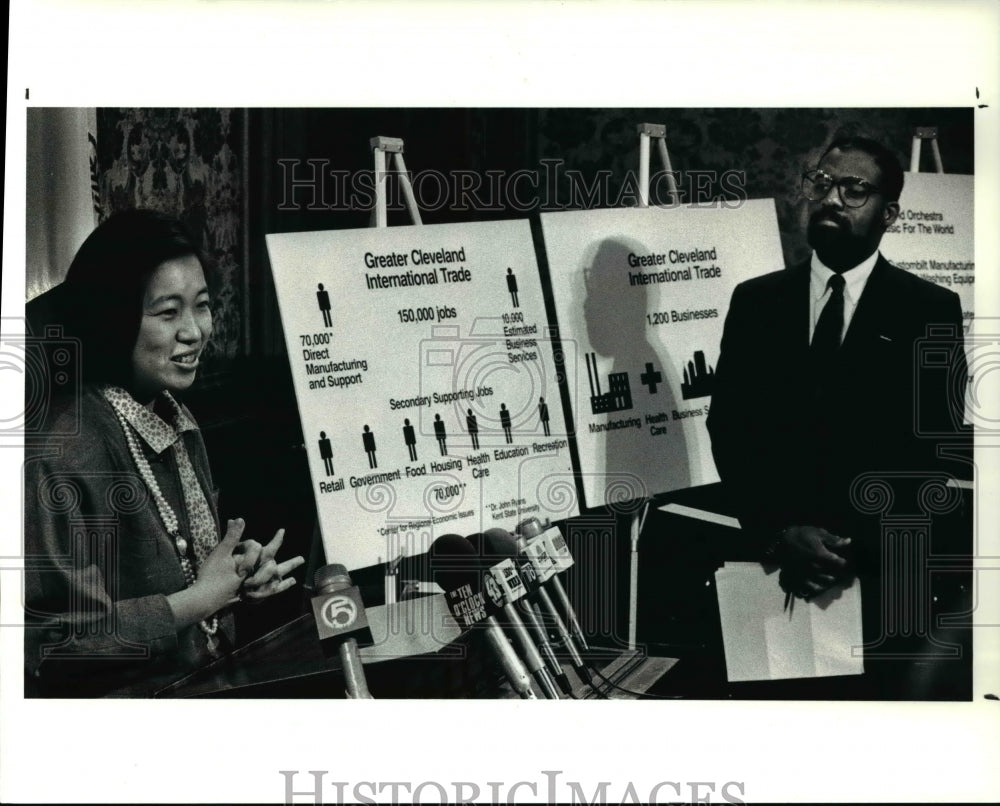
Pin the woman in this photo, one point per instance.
(129, 585)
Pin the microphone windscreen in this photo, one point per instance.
(499, 543)
(478, 543)
(450, 546)
(454, 563)
(333, 574)
(530, 527)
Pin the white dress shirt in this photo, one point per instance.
(855, 280)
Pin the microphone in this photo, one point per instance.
(502, 543)
(541, 561)
(456, 568)
(562, 559)
(341, 623)
(505, 589)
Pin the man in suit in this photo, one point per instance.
(823, 406)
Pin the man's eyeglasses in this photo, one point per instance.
(854, 191)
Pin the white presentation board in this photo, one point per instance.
(641, 297)
(933, 236)
(425, 383)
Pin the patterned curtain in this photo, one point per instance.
(187, 162)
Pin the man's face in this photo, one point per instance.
(844, 236)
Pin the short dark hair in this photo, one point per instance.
(891, 183)
(106, 284)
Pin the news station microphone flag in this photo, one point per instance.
(501, 543)
(341, 622)
(503, 584)
(455, 566)
(532, 529)
(536, 555)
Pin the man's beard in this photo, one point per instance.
(838, 247)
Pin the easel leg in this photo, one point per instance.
(381, 179)
(404, 181)
(633, 581)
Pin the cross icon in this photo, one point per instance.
(650, 378)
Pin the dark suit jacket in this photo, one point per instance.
(789, 445)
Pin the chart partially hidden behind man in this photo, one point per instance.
(641, 297)
(933, 236)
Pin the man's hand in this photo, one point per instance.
(812, 560)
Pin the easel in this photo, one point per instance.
(647, 132)
(635, 529)
(380, 218)
(925, 133)
(380, 212)
(658, 132)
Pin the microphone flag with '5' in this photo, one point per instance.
(474, 598)
(342, 624)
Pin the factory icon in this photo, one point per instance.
(619, 394)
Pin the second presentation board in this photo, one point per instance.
(641, 298)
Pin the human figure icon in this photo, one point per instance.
(410, 438)
(512, 287)
(440, 433)
(543, 415)
(472, 426)
(326, 452)
(368, 438)
(505, 423)
(323, 297)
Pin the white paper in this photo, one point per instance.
(764, 641)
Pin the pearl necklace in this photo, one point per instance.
(208, 626)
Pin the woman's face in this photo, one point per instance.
(175, 327)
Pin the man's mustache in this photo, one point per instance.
(829, 215)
